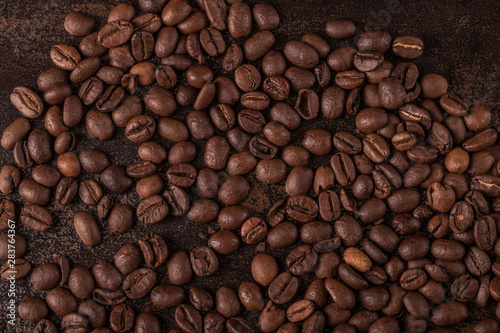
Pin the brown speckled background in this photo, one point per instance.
(461, 43)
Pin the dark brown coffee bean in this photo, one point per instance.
(412, 279)
(282, 235)
(22, 155)
(36, 217)
(329, 205)
(152, 210)
(116, 179)
(203, 211)
(121, 318)
(10, 177)
(239, 20)
(449, 313)
(485, 232)
(57, 93)
(302, 260)
(15, 132)
(340, 29)
(33, 309)
(224, 242)
(61, 301)
(258, 45)
(121, 218)
(45, 277)
(154, 249)
(87, 229)
(200, 298)
(200, 125)
(301, 54)
(140, 128)
(283, 288)
(65, 56)
(408, 47)
(204, 261)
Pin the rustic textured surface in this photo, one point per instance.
(461, 43)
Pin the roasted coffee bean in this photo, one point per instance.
(10, 177)
(253, 230)
(121, 318)
(65, 56)
(128, 258)
(121, 218)
(203, 211)
(440, 197)
(54, 120)
(239, 20)
(22, 155)
(224, 242)
(200, 298)
(104, 207)
(152, 210)
(340, 29)
(36, 217)
(61, 301)
(449, 313)
(33, 309)
(87, 229)
(302, 260)
(408, 47)
(283, 288)
(45, 277)
(258, 45)
(255, 100)
(15, 132)
(140, 128)
(485, 232)
(282, 235)
(57, 93)
(116, 179)
(193, 48)
(18, 270)
(204, 261)
(154, 249)
(301, 54)
(412, 279)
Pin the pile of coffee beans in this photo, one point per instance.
(394, 229)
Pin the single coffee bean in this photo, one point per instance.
(87, 229)
(121, 318)
(239, 20)
(33, 309)
(154, 249)
(138, 283)
(258, 45)
(224, 242)
(340, 29)
(15, 132)
(408, 47)
(65, 56)
(36, 217)
(152, 210)
(204, 261)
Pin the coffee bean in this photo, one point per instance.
(449, 313)
(87, 229)
(224, 242)
(15, 132)
(258, 45)
(36, 217)
(408, 47)
(65, 56)
(262, 148)
(317, 141)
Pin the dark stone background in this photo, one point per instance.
(461, 43)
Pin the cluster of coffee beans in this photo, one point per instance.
(397, 230)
